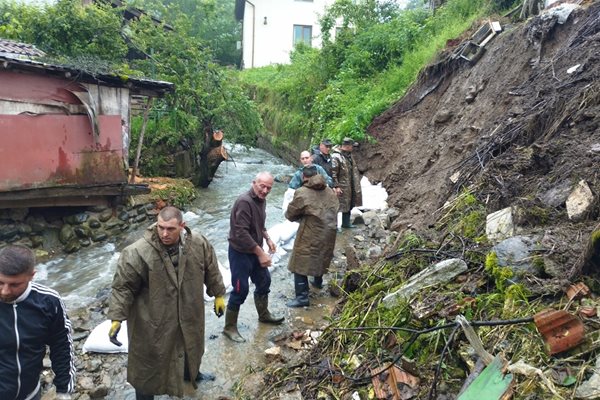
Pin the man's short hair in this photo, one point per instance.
(309, 171)
(16, 260)
(170, 212)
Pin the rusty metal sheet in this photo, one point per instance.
(37, 88)
(54, 150)
(578, 291)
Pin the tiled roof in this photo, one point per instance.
(12, 48)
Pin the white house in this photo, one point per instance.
(271, 28)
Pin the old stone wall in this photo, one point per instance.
(68, 229)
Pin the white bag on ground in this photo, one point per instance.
(98, 341)
(226, 274)
(373, 196)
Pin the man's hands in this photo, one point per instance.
(219, 306)
(264, 259)
(338, 191)
(115, 327)
(63, 396)
(272, 247)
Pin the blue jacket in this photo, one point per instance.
(36, 319)
(296, 180)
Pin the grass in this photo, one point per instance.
(345, 104)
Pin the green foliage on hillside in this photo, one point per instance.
(376, 55)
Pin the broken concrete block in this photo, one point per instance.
(442, 272)
(580, 202)
(500, 225)
(370, 217)
(557, 195)
(273, 353)
(295, 395)
(517, 254)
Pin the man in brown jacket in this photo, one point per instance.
(346, 180)
(157, 288)
(315, 205)
(247, 259)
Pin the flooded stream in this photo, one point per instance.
(80, 277)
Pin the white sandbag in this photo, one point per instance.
(282, 232)
(289, 245)
(373, 196)
(275, 234)
(98, 341)
(226, 274)
(288, 230)
(287, 198)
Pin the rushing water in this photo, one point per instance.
(79, 277)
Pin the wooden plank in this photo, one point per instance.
(491, 384)
(70, 195)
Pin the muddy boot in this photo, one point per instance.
(317, 282)
(346, 220)
(301, 288)
(262, 307)
(231, 330)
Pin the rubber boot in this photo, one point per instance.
(140, 396)
(205, 376)
(301, 288)
(262, 308)
(231, 330)
(317, 282)
(346, 220)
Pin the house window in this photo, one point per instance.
(303, 34)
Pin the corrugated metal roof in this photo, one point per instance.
(137, 85)
(10, 47)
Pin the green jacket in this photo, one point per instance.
(164, 309)
(315, 206)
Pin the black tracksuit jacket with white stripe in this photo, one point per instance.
(36, 319)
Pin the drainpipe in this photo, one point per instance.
(253, 30)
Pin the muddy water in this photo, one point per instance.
(82, 276)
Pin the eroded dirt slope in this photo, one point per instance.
(530, 134)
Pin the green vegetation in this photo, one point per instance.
(498, 273)
(465, 216)
(179, 193)
(376, 55)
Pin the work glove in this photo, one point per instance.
(115, 327)
(63, 396)
(219, 306)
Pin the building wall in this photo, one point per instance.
(271, 43)
(47, 136)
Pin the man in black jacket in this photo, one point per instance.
(321, 155)
(32, 317)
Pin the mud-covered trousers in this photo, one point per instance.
(244, 266)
